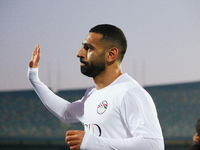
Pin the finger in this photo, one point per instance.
(37, 48)
(71, 132)
(32, 60)
(35, 51)
(73, 142)
(75, 147)
(71, 138)
(38, 54)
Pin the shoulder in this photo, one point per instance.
(128, 86)
(125, 82)
(131, 92)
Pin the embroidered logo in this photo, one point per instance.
(102, 107)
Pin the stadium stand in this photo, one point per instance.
(178, 108)
(23, 115)
(26, 123)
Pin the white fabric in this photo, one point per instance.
(119, 116)
(135, 143)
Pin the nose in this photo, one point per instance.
(80, 53)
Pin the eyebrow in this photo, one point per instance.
(88, 45)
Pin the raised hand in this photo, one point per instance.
(74, 139)
(35, 57)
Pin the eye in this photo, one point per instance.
(86, 47)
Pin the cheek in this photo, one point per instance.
(90, 56)
(95, 57)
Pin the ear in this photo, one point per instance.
(112, 54)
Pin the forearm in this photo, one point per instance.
(51, 101)
(135, 143)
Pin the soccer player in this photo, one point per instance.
(196, 137)
(196, 140)
(117, 113)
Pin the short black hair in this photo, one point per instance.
(198, 127)
(114, 35)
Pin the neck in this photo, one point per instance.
(107, 77)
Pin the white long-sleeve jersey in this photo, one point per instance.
(121, 116)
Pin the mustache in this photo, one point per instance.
(83, 61)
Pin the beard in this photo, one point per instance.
(92, 69)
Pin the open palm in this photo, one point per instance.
(35, 57)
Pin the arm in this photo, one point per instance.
(91, 142)
(55, 104)
(80, 140)
(51, 101)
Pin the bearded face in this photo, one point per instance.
(93, 68)
(92, 55)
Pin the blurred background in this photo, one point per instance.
(163, 56)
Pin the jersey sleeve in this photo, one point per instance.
(139, 114)
(64, 110)
(91, 142)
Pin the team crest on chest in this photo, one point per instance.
(102, 107)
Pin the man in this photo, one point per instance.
(195, 138)
(117, 113)
(196, 145)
